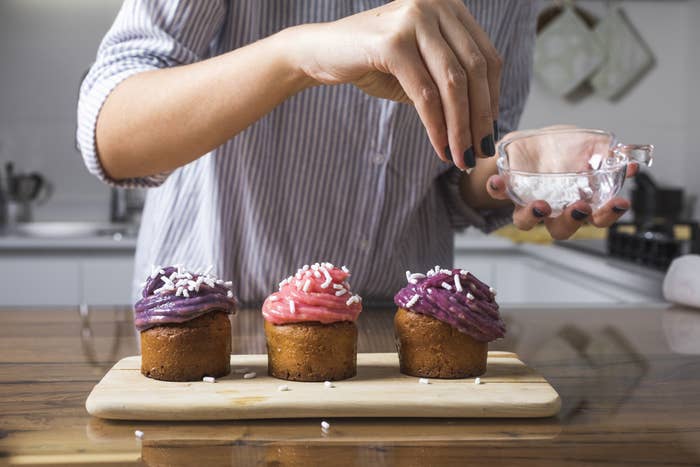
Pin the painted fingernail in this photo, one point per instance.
(487, 146)
(619, 210)
(537, 212)
(469, 158)
(493, 187)
(578, 215)
(496, 135)
(448, 153)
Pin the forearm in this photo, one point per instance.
(473, 186)
(159, 120)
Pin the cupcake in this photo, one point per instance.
(445, 320)
(310, 326)
(183, 321)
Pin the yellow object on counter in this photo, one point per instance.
(540, 235)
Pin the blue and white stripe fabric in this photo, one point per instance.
(331, 174)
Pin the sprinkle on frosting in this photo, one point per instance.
(173, 295)
(323, 297)
(455, 297)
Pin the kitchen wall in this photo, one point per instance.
(662, 109)
(46, 45)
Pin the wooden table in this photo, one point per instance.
(629, 380)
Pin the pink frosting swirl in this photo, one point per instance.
(318, 293)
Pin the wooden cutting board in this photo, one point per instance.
(509, 389)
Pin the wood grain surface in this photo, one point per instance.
(629, 381)
(508, 389)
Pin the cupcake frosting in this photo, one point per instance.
(319, 292)
(173, 295)
(455, 297)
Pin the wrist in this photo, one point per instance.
(296, 54)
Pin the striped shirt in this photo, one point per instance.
(331, 174)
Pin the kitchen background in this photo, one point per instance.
(45, 47)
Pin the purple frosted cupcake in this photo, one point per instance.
(445, 320)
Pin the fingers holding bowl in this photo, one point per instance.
(609, 213)
(569, 221)
(527, 217)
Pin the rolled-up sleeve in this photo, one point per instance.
(146, 35)
(516, 50)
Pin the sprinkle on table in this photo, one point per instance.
(325, 426)
(283, 387)
(424, 381)
(209, 379)
(138, 434)
(328, 384)
(250, 375)
(477, 381)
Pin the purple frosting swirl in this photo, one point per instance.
(162, 303)
(473, 310)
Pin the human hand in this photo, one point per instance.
(431, 53)
(575, 214)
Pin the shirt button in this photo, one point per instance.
(364, 244)
(380, 159)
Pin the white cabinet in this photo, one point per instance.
(44, 280)
(66, 278)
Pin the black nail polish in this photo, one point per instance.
(488, 148)
(619, 210)
(469, 157)
(578, 215)
(496, 134)
(537, 212)
(448, 153)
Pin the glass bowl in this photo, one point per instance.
(564, 165)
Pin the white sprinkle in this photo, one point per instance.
(470, 296)
(238, 371)
(408, 277)
(328, 384)
(430, 291)
(492, 290)
(305, 267)
(273, 298)
(412, 301)
(291, 307)
(317, 274)
(138, 434)
(325, 425)
(353, 299)
(283, 283)
(445, 271)
(315, 266)
(416, 275)
(229, 294)
(178, 292)
(329, 279)
(298, 275)
(464, 272)
(458, 283)
(477, 381)
(446, 286)
(209, 379)
(283, 387)
(338, 286)
(345, 269)
(329, 265)
(424, 381)
(341, 292)
(185, 293)
(299, 285)
(437, 268)
(228, 284)
(307, 283)
(250, 375)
